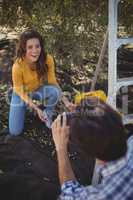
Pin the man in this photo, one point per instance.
(99, 131)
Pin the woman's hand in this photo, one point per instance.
(41, 115)
(70, 106)
(60, 133)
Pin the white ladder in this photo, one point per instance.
(114, 84)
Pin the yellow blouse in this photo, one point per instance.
(25, 79)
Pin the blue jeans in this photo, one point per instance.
(49, 94)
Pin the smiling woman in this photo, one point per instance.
(33, 50)
(33, 76)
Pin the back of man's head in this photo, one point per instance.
(98, 130)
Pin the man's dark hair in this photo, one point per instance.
(98, 130)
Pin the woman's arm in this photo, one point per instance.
(52, 80)
(69, 105)
(51, 70)
(18, 87)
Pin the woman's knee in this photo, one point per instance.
(55, 91)
(16, 101)
(54, 94)
(16, 122)
(15, 132)
(16, 115)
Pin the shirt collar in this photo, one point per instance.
(110, 168)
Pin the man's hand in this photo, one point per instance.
(60, 133)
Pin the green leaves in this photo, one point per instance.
(72, 29)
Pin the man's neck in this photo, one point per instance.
(100, 162)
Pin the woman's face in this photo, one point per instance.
(33, 50)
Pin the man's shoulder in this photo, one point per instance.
(129, 155)
(130, 140)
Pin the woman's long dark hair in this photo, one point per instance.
(41, 66)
